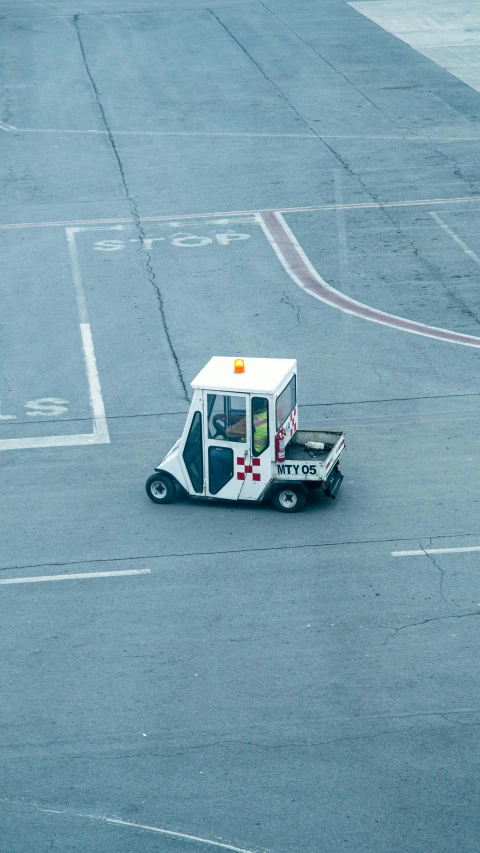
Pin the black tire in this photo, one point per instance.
(160, 489)
(289, 499)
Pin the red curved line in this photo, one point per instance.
(303, 273)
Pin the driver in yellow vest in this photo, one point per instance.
(260, 425)
(237, 432)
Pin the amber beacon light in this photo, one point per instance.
(239, 365)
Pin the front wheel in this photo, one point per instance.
(160, 489)
(289, 499)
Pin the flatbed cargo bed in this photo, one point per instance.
(296, 448)
(313, 465)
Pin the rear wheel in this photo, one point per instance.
(289, 499)
(160, 489)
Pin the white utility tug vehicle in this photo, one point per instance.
(241, 441)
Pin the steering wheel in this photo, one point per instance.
(220, 424)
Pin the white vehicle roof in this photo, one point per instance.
(261, 375)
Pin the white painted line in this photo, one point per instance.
(49, 441)
(100, 427)
(145, 826)
(223, 845)
(76, 577)
(173, 834)
(100, 434)
(187, 133)
(406, 137)
(75, 265)
(375, 205)
(6, 127)
(297, 265)
(229, 213)
(468, 251)
(76, 275)
(436, 551)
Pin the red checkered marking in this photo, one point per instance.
(293, 421)
(245, 469)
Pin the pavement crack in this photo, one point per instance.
(145, 254)
(298, 114)
(330, 65)
(10, 178)
(285, 300)
(323, 404)
(267, 747)
(457, 171)
(290, 745)
(416, 714)
(434, 269)
(427, 621)
(254, 550)
(264, 74)
(7, 113)
(441, 574)
(461, 723)
(444, 715)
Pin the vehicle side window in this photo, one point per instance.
(193, 453)
(227, 417)
(286, 402)
(260, 432)
(220, 467)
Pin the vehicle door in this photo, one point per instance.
(257, 469)
(193, 451)
(227, 432)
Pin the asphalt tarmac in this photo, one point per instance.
(247, 680)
